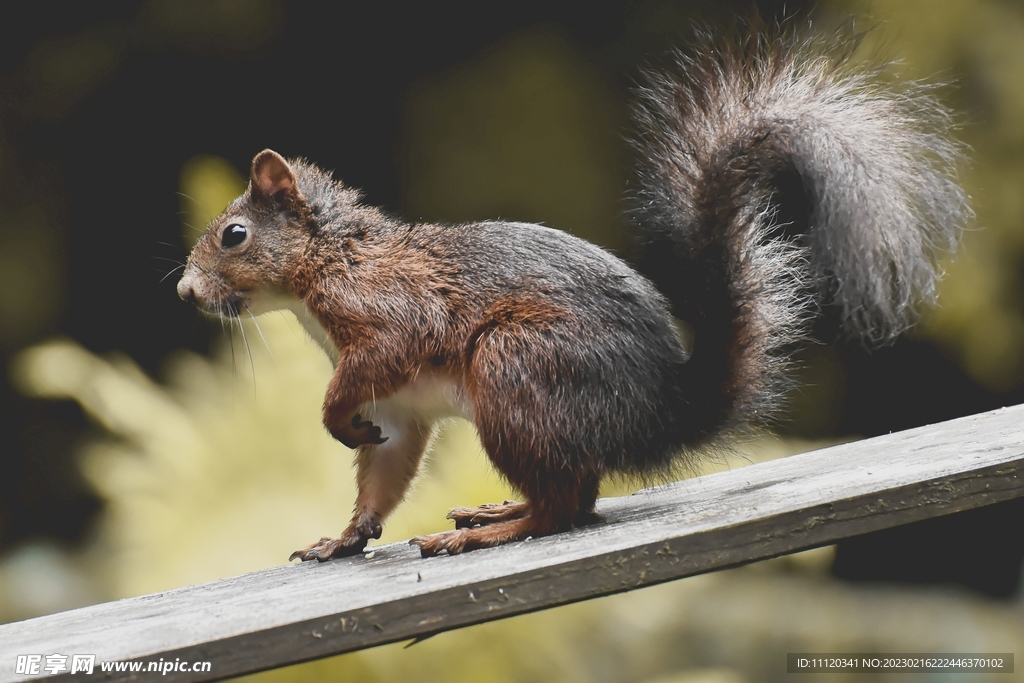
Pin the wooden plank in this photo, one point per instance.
(294, 613)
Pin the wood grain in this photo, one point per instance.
(295, 613)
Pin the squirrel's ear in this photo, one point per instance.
(271, 176)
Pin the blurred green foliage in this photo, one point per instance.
(225, 469)
(527, 131)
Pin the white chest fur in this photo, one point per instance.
(430, 397)
(314, 329)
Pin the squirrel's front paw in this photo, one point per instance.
(326, 548)
(358, 432)
(363, 527)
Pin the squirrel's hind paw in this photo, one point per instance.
(432, 544)
(497, 533)
(489, 513)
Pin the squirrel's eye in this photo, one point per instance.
(233, 235)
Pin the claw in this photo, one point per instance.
(488, 513)
(373, 431)
(370, 433)
(370, 529)
(327, 548)
(432, 545)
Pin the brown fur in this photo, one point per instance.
(565, 359)
(394, 312)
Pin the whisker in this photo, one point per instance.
(258, 329)
(231, 343)
(248, 351)
(171, 272)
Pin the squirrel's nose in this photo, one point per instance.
(185, 290)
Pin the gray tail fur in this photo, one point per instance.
(722, 136)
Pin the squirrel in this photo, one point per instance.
(568, 362)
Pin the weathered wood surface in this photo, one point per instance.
(299, 612)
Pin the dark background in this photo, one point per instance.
(101, 105)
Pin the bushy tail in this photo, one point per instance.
(740, 140)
